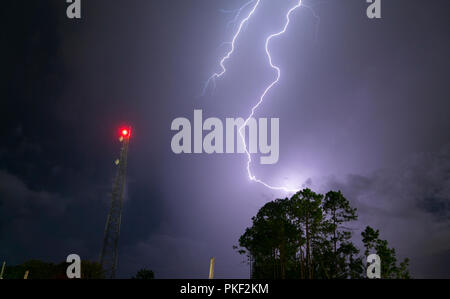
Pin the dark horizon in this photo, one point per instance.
(363, 108)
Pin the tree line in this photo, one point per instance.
(307, 236)
(43, 270)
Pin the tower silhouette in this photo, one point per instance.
(109, 253)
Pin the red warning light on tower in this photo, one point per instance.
(125, 132)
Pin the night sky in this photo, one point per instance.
(363, 107)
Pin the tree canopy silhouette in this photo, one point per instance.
(144, 274)
(307, 236)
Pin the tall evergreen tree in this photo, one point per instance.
(308, 236)
(306, 213)
(388, 256)
(343, 261)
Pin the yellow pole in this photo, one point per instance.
(211, 268)
(26, 274)
(3, 270)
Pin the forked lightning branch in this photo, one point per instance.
(249, 148)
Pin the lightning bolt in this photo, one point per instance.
(237, 12)
(251, 176)
(233, 44)
(217, 75)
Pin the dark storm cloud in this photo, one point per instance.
(421, 180)
(364, 97)
(17, 197)
(58, 134)
(46, 188)
(409, 203)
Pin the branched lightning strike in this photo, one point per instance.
(261, 99)
(237, 12)
(251, 176)
(233, 43)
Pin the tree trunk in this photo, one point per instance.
(308, 256)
